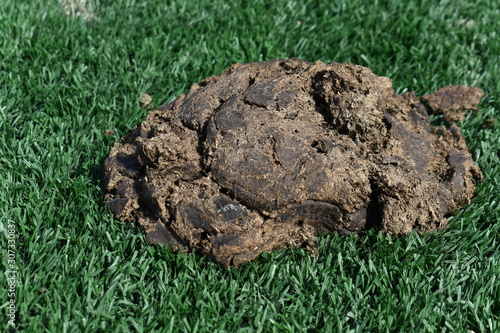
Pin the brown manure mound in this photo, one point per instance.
(271, 154)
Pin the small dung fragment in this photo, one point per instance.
(145, 101)
(109, 132)
(271, 154)
(488, 122)
(453, 101)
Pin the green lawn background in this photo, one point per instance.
(71, 70)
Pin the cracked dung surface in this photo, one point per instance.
(271, 154)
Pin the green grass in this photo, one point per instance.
(70, 70)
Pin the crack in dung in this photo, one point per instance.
(323, 108)
(320, 104)
(202, 136)
(374, 208)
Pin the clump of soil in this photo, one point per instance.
(270, 154)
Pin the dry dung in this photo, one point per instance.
(271, 154)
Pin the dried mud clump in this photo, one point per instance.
(271, 154)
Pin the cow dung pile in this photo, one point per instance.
(271, 154)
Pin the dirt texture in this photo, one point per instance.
(271, 154)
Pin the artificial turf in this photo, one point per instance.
(72, 69)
